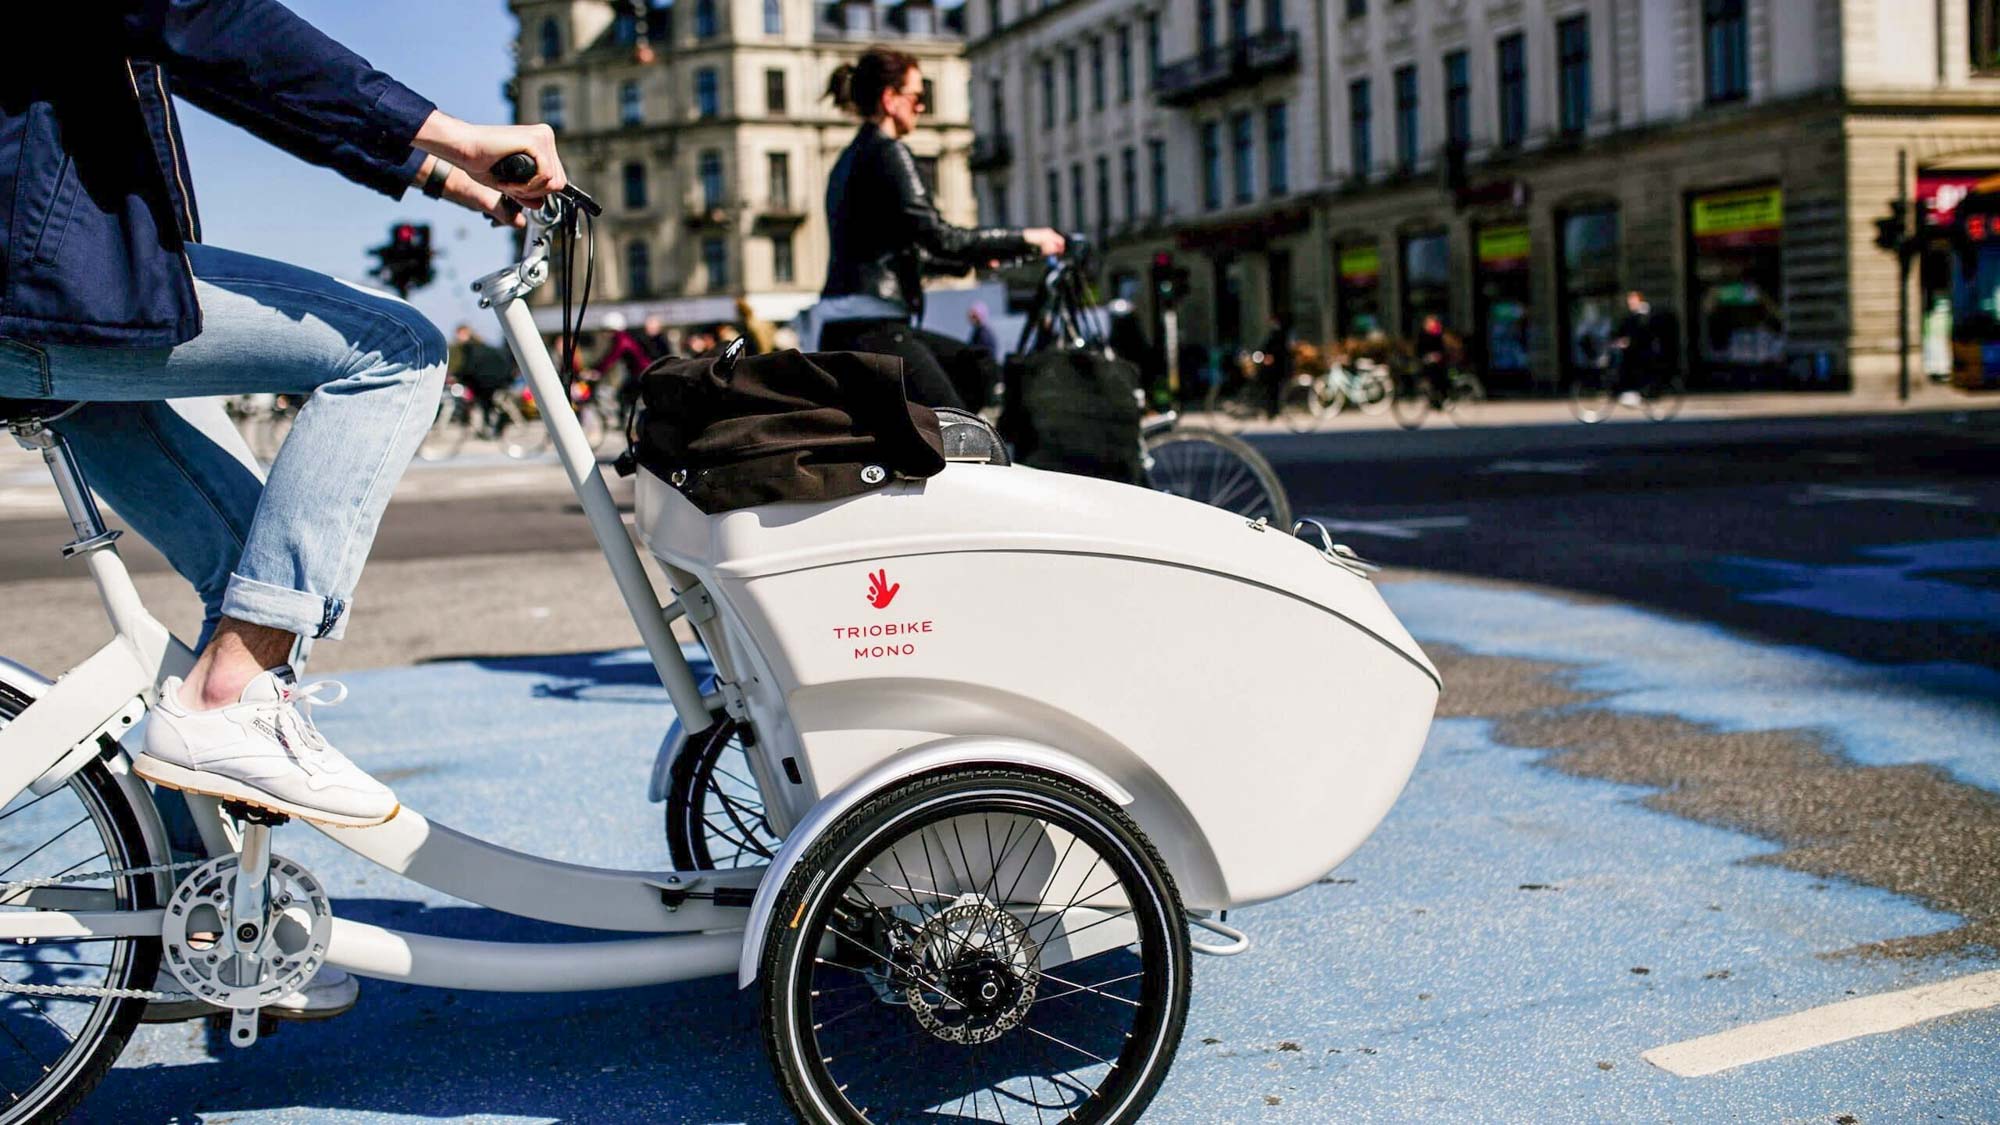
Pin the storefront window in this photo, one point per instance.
(1357, 289)
(1735, 294)
(1500, 314)
(1591, 302)
(1426, 278)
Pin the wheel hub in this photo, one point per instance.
(975, 973)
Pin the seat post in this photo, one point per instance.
(77, 501)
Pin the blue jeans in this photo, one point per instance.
(284, 552)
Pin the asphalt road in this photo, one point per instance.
(1719, 753)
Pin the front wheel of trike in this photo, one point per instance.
(990, 944)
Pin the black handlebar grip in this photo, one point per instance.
(516, 169)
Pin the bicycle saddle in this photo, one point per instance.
(14, 411)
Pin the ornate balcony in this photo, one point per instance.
(991, 152)
(1208, 73)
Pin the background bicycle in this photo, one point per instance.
(1421, 388)
(1598, 391)
(1329, 385)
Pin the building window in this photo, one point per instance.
(1243, 156)
(1128, 170)
(774, 92)
(631, 108)
(1736, 288)
(930, 98)
(778, 169)
(1076, 195)
(1277, 146)
(1357, 9)
(1003, 214)
(1204, 23)
(995, 18)
(625, 28)
(1407, 137)
(1725, 35)
(1426, 278)
(1360, 112)
(1985, 37)
(1501, 298)
(1357, 289)
(782, 271)
(1156, 156)
(1124, 63)
(707, 93)
(659, 21)
(1239, 20)
(709, 172)
(1457, 102)
(551, 40)
(1103, 195)
(635, 186)
(774, 17)
(998, 91)
(1048, 94)
(1274, 16)
(860, 18)
(1512, 55)
(704, 19)
(638, 270)
(1211, 164)
(552, 107)
(715, 261)
(1070, 103)
(1587, 284)
(1055, 200)
(1152, 50)
(920, 20)
(927, 174)
(1573, 73)
(1097, 73)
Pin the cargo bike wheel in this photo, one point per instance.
(1217, 469)
(715, 810)
(991, 944)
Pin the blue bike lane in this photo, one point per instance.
(1519, 933)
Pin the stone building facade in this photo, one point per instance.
(701, 127)
(1516, 165)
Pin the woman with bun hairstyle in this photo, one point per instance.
(886, 233)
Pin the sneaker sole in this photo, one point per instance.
(209, 785)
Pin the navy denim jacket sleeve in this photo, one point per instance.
(257, 64)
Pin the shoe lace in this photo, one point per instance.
(292, 712)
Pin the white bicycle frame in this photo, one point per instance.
(695, 920)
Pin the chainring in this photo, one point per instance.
(291, 949)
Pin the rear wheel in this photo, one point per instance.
(1219, 470)
(1464, 398)
(1371, 391)
(1662, 399)
(1590, 397)
(983, 944)
(55, 1049)
(1302, 407)
(1411, 403)
(449, 429)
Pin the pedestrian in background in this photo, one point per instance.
(982, 334)
(483, 369)
(1275, 368)
(1638, 345)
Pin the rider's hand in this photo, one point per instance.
(476, 148)
(1048, 242)
(468, 193)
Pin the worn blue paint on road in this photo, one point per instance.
(1503, 949)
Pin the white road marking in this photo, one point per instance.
(1558, 468)
(1831, 1023)
(1394, 529)
(1937, 497)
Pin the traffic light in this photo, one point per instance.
(1892, 232)
(404, 262)
(1170, 282)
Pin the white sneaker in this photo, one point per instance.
(264, 751)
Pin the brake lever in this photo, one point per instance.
(583, 200)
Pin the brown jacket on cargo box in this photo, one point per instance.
(783, 427)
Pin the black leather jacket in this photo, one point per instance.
(886, 233)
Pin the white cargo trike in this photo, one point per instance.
(1008, 736)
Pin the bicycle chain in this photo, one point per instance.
(80, 990)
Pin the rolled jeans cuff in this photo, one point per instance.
(279, 607)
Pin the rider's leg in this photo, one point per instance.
(924, 379)
(374, 369)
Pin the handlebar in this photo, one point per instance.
(520, 167)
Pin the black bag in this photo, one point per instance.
(784, 426)
(1074, 411)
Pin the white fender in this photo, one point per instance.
(958, 752)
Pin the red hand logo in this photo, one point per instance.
(880, 593)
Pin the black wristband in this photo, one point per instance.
(434, 183)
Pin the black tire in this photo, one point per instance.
(807, 973)
(1410, 402)
(48, 1089)
(715, 813)
(1590, 397)
(1662, 399)
(1218, 469)
(1302, 408)
(1463, 399)
(449, 429)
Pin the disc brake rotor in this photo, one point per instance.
(290, 950)
(977, 973)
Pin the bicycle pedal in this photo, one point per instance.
(254, 814)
